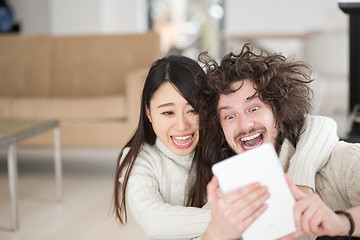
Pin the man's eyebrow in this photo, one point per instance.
(248, 99)
(252, 97)
(223, 108)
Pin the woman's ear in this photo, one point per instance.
(148, 114)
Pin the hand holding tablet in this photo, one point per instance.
(260, 165)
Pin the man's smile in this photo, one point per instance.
(251, 140)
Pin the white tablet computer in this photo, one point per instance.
(261, 165)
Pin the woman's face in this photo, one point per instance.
(173, 120)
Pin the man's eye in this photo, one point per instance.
(228, 117)
(253, 109)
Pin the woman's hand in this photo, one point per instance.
(233, 213)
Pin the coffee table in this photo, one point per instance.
(15, 130)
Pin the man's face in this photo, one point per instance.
(246, 121)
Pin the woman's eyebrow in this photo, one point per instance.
(165, 105)
(168, 104)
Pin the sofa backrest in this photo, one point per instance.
(97, 65)
(25, 66)
(76, 66)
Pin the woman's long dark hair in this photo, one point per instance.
(281, 83)
(181, 73)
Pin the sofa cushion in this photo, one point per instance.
(108, 107)
(97, 65)
(25, 65)
(80, 80)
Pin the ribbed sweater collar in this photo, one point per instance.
(167, 152)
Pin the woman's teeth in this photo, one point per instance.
(182, 141)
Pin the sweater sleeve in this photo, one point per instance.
(158, 219)
(350, 172)
(313, 149)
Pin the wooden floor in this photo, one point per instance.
(84, 213)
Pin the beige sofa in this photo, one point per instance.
(92, 84)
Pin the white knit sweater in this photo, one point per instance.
(156, 191)
(157, 185)
(312, 150)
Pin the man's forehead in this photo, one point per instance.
(239, 85)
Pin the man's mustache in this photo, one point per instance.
(251, 131)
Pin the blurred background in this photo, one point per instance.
(314, 31)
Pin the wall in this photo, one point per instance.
(33, 16)
(283, 16)
(63, 17)
(315, 31)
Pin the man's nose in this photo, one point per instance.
(245, 122)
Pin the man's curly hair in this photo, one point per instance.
(281, 83)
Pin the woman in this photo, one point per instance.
(153, 169)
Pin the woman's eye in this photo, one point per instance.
(228, 117)
(253, 109)
(192, 111)
(168, 113)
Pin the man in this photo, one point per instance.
(253, 98)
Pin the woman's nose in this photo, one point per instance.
(182, 123)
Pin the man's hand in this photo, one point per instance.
(305, 189)
(313, 217)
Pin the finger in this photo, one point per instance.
(304, 211)
(322, 212)
(298, 194)
(251, 218)
(315, 223)
(292, 236)
(212, 189)
(308, 213)
(242, 192)
(299, 208)
(249, 203)
(305, 189)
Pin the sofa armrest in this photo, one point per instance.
(134, 85)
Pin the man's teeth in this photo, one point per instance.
(250, 137)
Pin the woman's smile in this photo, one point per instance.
(182, 141)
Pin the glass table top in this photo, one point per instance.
(17, 129)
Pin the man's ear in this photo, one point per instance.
(148, 113)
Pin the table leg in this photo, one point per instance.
(12, 170)
(58, 164)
